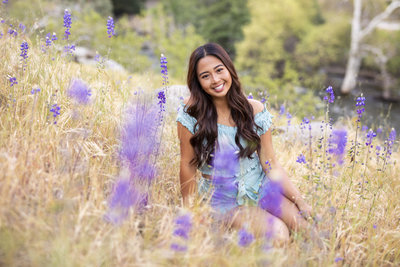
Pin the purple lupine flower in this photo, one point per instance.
(378, 150)
(390, 142)
(1, 35)
(338, 141)
(48, 39)
(5, 1)
(22, 27)
(374, 226)
(263, 100)
(67, 24)
(123, 197)
(370, 135)
(161, 100)
(24, 52)
(282, 110)
(337, 259)
(178, 248)
(54, 37)
(183, 225)
(271, 196)
(331, 96)
(225, 164)
(364, 128)
(301, 159)
(289, 118)
(13, 81)
(250, 96)
(55, 109)
(34, 91)
(110, 27)
(360, 103)
(69, 48)
(138, 141)
(79, 91)
(245, 238)
(164, 69)
(12, 31)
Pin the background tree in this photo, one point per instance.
(129, 7)
(358, 36)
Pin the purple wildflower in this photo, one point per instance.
(370, 136)
(337, 259)
(164, 69)
(331, 96)
(374, 226)
(245, 238)
(34, 91)
(69, 48)
(24, 53)
(271, 197)
(1, 35)
(263, 100)
(282, 110)
(183, 225)
(225, 164)
(79, 91)
(250, 96)
(12, 31)
(110, 27)
(5, 1)
(178, 248)
(161, 100)
(123, 197)
(390, 142)
(13, 81)
(55, 109)
(360, 103)
(364, 128)
(22, 27)
(48, 39)
(338, 141)
(301, 159)
(289, 118)
(67, 24)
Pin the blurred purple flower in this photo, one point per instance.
(13, 81)
(331, 96)
(360, 103)
(123, 197)
(390, 142)
(48, 40)
(34, 91)
(337, 259)
(183, 225)
(364, 128)
(22, 27)
(301, 159)
(289, 118)
(178, 248)
(69, 49)
(55, 109)
(110, 27)
(5, 1)
(271, 197)
(245, 238)
(24, 53)
(250, 96)
(67, 24)
(370, 136)
(282, 110)
(164, 69)
(338, 141)
(79, 91)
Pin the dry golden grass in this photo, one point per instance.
(55, 180)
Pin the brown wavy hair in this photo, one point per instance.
(201, 107)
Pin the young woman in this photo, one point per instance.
(217, 110)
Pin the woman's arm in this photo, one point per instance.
(187, 170)
(267, 153)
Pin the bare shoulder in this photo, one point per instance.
(257, 105)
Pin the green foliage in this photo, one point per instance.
(175, 43)
(216, 21)
(130, 7)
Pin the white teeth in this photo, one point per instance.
(219, 87)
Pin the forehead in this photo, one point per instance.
(208, 63)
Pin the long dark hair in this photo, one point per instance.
(201, 107)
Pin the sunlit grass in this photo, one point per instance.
(55, 179)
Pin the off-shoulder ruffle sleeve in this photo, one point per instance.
(264, 120)
(185, 119)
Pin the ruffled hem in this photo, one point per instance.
(264, 120)
(185, 119)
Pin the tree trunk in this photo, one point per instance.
(354, 61)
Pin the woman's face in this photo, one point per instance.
(213, 76)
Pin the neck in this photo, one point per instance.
(221, 104)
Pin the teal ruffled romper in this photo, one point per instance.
(250, 176)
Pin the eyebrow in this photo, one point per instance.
(219, 65)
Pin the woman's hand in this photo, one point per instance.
(305, 209)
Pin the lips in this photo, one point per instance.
(219, 88)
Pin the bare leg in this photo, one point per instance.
(260, 222)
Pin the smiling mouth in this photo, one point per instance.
(219, 88)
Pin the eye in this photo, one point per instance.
(220, 70)
(205, 76)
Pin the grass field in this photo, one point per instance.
(57, 175)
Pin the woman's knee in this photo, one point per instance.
(280, 230)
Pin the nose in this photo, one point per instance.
(214, 78)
